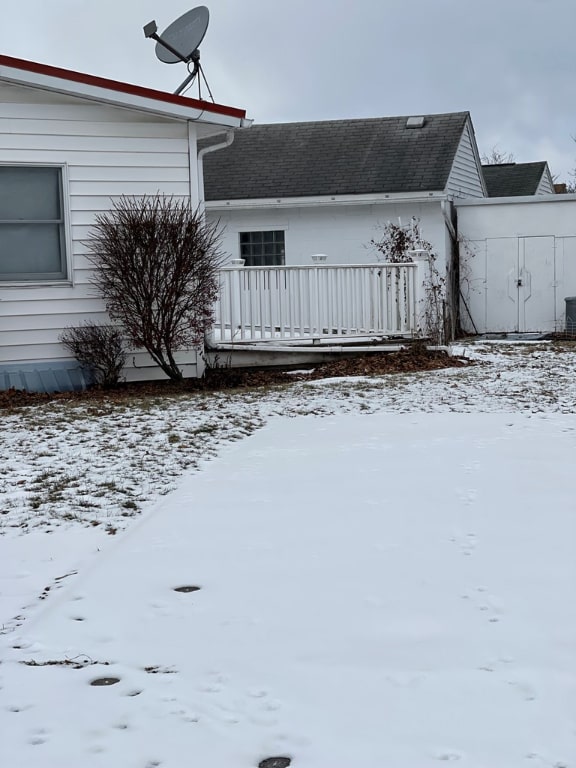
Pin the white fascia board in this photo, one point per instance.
(115, 98)
(323, 201)
(570, 198)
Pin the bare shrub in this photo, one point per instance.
(100, 347)
(156, 265)
(394, 246)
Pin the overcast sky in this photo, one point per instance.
(511, 63)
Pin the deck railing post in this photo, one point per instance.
(421, 258)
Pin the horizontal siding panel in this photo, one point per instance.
(156, 374)
(58, 320)
(127, 173)
(92, 205)
(15, 300)
(81, 261)
(83, 279)
(105, 159)
(108, 189)
(33, 353)
(91, 128)
(143, 360)
(64, 144)
(27, 337)
(47, 352)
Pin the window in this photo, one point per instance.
(262, 249)
(32, 238)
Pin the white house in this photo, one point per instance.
(69, 144)
(286, 191)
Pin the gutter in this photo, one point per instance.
(311, 202)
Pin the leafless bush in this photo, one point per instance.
(396, 246)
(156, 265)
(100, 347)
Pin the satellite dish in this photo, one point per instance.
(180, 41)
(184, 35)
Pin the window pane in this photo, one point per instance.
(29, 193)
(268, 237)
(244, 237)
(30, 250)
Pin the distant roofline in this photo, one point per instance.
(82, 78)
(463, 113)
(514, 164)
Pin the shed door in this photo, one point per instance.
(501, 284)
(520, 286)
(536, 284)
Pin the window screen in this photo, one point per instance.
(31, 224)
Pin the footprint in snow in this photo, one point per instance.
(38, 736)
(525, 690)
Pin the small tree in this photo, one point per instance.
(156, 263)
(100, 347)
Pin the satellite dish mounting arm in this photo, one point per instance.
(151, 30)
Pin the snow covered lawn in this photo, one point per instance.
(388, 582)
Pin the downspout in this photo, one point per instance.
(202, 210)
(212, 148)
(454, 273)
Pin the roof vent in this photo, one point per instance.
(415, 122)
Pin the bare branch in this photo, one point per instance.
(497, 157)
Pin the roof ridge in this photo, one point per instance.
(348, 120)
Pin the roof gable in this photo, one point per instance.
(513, 179)
(340, 157)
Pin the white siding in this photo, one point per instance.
(343, 232)
(546, 186)
(106, 152)
(465, 178)
(518, 263)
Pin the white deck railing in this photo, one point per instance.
(267, 303)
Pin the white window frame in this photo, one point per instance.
(67, 278)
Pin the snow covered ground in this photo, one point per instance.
(386, 571)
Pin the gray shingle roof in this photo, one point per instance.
(513, 179)
(340, 157)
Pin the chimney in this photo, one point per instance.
(560, 189)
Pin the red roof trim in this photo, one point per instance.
(115, 85)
